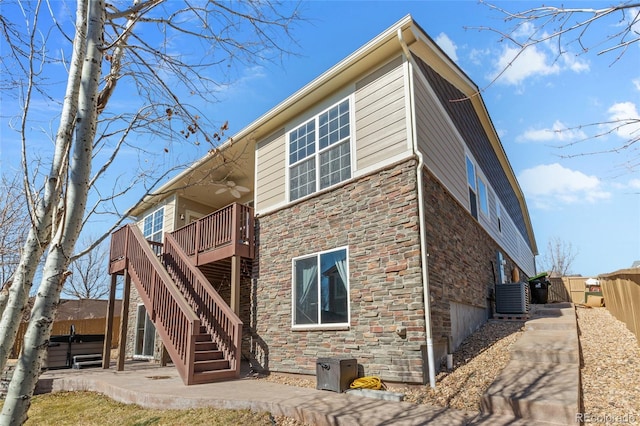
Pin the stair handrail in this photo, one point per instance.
(221, 322)
(174, 319)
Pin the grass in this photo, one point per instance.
(89, 408)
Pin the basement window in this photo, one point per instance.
(321, 289)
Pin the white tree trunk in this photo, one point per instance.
(4, 296)
(66, 228)
(40, 232)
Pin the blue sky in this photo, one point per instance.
(590, 201)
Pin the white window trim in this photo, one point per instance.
(151, 214)
(191, 216)
(469, 160)
(352, 145)
(482, 181)
(317, 327)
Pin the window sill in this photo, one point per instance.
(323, 327)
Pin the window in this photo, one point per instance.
(483, 197)
(471, 180)
(153, 224)
(321, 289)
(145, 334)
(320, 152)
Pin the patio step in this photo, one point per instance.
(541, 382)
(535, 391)
(558, 346)
(87, 361)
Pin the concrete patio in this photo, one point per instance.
(540, 385)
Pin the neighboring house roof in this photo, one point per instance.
(78, 309)
(85, 309)
(471, 118)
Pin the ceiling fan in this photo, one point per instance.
(232, 187)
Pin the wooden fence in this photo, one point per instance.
(567, 289)
(83, 326)
(621, 290)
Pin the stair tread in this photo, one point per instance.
(208, 355)
(210, 365)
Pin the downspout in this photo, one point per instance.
(421, 215)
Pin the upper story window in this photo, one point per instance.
(153, 225)
(320, 151)
(321, 289)
(483, 196)
(471, 181)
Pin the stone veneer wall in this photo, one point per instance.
(376, 217)
(462, 259)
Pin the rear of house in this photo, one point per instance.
(370, 188)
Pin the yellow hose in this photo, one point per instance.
(369, 382)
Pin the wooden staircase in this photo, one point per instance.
(200, 331)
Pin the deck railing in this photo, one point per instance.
(218, 318)
(175, 321)
(230, 229)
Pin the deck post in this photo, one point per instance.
(108, 328)
(235, 284)
(196, 255)
(124, 320)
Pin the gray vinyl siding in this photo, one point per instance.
(271, 171)
(380, 114)
(444, 153)
(441, 147)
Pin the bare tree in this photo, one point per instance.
(13, 225)
(168, 59)
(88, 279)
(570, 30)
(559, 257)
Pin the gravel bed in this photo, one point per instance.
(476, 364)
(610, 370)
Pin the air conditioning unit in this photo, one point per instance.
(512, 298)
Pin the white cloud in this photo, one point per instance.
(248, 75)
(525, 30)
(636, 83)
(558, 132)
(634, 184)
(624, 120)
(537, 59)
(530, 62)
(476, 56)
(448, 46)
(552, 185)
(574, 63)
